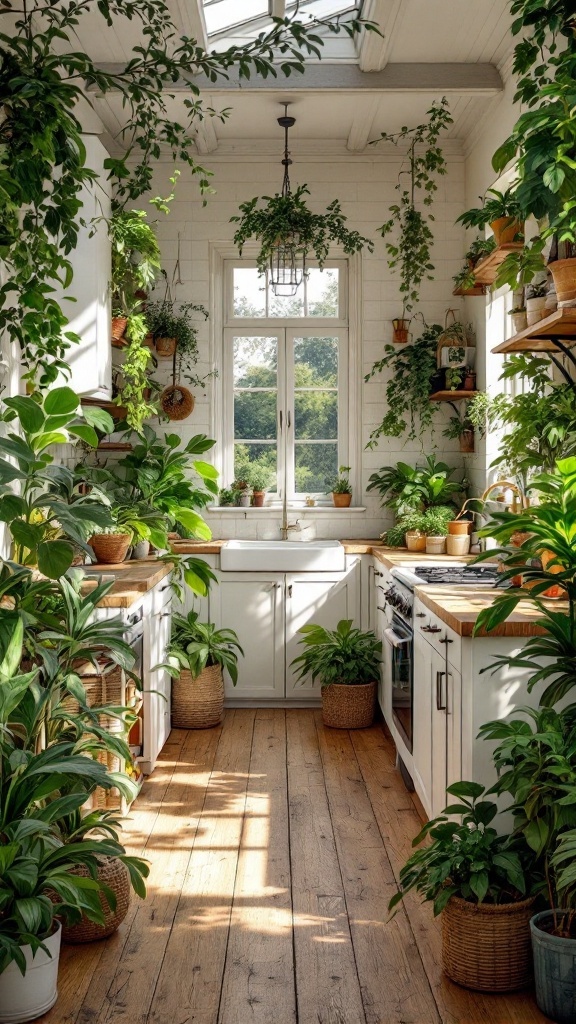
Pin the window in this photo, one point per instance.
(285, 380)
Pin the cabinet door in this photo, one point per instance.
(158, 682)
(252, 605)
(322, 600)
(423, 721)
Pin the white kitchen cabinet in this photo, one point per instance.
(252, 604)
(436, 755)
(324, 600)
(266, 610)
(157, 681)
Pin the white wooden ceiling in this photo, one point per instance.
(430, 48)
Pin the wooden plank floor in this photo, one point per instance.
(275, 845)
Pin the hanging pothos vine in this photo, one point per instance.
(411, 251)
(42, 157)
(408, 389)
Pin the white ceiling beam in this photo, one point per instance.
(475, 79)
(361, 129)
(188, 16)
(374, 50)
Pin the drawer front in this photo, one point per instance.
(446, 641)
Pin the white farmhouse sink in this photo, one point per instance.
(282, 556)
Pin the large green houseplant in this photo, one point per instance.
(199, 655)
(346, 661)
(477, 880)
(417, 183)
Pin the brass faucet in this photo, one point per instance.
(518, 503)
(285, 529)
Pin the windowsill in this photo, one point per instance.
(314, 510)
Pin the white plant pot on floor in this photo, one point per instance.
(28, 997)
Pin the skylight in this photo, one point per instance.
(245, 19)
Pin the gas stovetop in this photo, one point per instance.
(457, 575)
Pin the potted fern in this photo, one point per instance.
(199, 654)
(347, 663)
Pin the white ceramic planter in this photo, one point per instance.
(28, 997)
(458, 544)
(415, 540)
(468, 360)
(435, 545)
(535, 310)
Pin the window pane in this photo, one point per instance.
(315, 464)
(255, 362)
(322, 290)
(316, 362)
(255, 415)
(249, 292)
(316, 415)
(263, 454)
(287, 306)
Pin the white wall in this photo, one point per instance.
(365, 185)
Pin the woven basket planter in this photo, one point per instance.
(348, 707)
(114, 874)
(165, 347)
(486, 947)
(177, 402)
(198, 703)
(110, 548)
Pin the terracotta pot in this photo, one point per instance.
(459, 527)
(506, 230)
(458, 544)
(258, 498)
(341, 500)
(554, 593)
(110, 548)
(401, 331)
(564, 274)
(467, 441)
(469, 382)
(435, 545)
(165, 347)
(119, 324)
(415, 540)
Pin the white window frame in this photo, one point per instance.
(224, 255)
(286, 442)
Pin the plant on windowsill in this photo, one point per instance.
(411, 250)
(341, 488)
(411, 371)
(272, 220)
(346, 661)
(260, 478)
(477, 880)
(199, 653)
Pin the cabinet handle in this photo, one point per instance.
(290, 590)
(380, 608)
(166, 615)
(165, 587)
(431, 629)
(420, 615)
(446, 640)
(439, 705)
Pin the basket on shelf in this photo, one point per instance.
(198, 703)
(110, 548)
(485, 946)
(348, 707)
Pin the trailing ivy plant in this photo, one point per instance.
(425, 163)
(42, 157)
(408, 389)
(287, 218)
(137, 361)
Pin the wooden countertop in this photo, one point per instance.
(213, 547)
(133, 579)
(459, 608)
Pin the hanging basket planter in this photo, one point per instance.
(165, 347)
(177, 402)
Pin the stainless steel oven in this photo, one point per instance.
(400, 638)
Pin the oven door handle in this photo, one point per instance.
(394, 640)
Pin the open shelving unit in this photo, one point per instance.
(554, 336)
(452, 396)
(486, 270)
(478, 289)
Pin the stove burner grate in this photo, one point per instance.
(469, 575)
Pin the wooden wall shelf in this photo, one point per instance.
(452, 396)
(486, 270)
(118, 412)
(551, 334)
(479, 289)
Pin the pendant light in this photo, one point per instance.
(287, 259)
